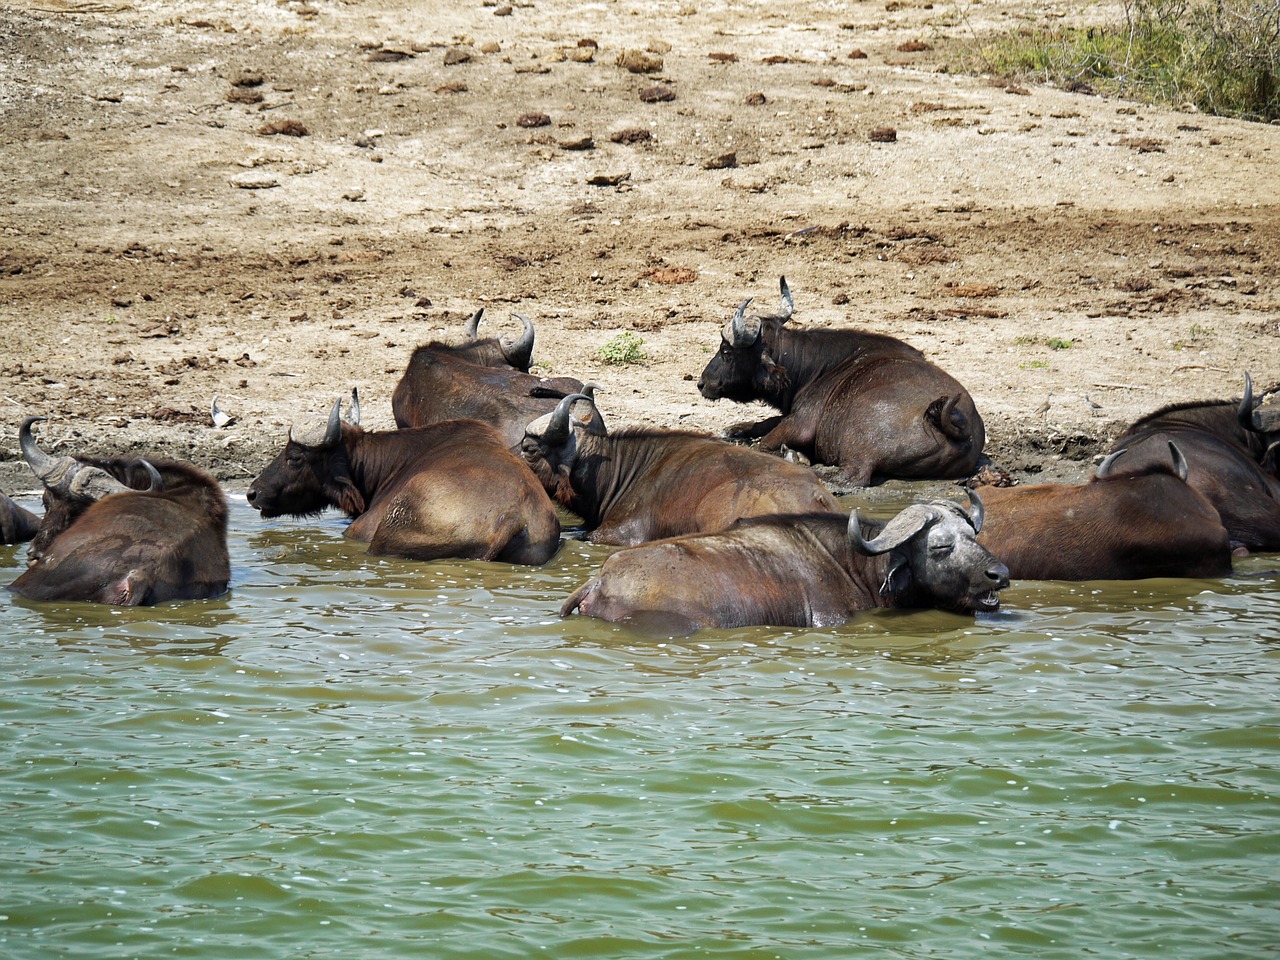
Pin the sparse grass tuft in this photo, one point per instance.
(625, 348)
(1223, 56)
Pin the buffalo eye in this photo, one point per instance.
(941, 549)
(296, 461)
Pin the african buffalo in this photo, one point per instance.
(810, 570)
(450, 489)
(1144, 522)
(486, 380)
(17, 523)
(865, 402)
(124, 531)
(1227, 449)
(642, 484)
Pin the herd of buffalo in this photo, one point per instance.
(714, 533)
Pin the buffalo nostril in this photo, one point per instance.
(252, 495)
(998, 574)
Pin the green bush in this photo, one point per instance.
(625, 348)
(1223, 56)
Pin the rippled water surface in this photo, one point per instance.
(358, 757)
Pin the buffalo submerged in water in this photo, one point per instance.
(641, 484)
(450, 489)
(1132, 521)
(867, 403)
(124, 531)
(810, 570)
(484, 379)
(1230, 456)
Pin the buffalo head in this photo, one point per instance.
(496, 351)
(550, 444)
(934, 554)
(311, 473)
(743, 367)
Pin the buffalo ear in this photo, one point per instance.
(347, 498)
(129, 591)
(897, 578)
(774, 376)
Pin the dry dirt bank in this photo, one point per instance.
(163, 238)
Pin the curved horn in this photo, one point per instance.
(519, 353)
(896, 532)
(157, 481)
(788, 302)
(977, 512)
(556, 431)
(48, 469)
(1245, 412)
(736, 330)
(333, 430)
(1104, 468)
(353, 414)
(471, 329)
(1179, 461)
(66, 476)
(958, 431)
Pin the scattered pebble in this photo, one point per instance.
(640, 61)
(658, 94)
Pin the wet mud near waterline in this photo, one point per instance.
(352, 756)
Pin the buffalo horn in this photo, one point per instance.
(736, 330)
(471, 329)
(66, 476)
(896, 532)
(353, 414)
(333, 430)
(976, 510)
(519, 353)
(1245, 413)
(49, 470)
(556, 431)
(1108, 462)
(788, 302)
(1179, 461)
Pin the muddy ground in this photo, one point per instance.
(276, 201)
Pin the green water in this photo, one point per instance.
(350, 757)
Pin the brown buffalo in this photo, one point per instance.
(1230, 459)
(17, 523)
(125, 531)
(641, 484)
(1146, 521)
(480, 379)
(451, 489)
(812, 570)
(867, 403)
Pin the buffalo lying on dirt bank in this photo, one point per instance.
(480, 379)
(1230, 459)
(128, 532)
(867, 403)
(811, 570)
(640, 484)
(1144, 522)
(450, 489)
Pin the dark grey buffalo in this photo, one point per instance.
(450, 489)
(124, 531)
(813, 570)
(641, 484)
(1230, 459)
(865, 402)
(1132, 521)
(484, 379)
